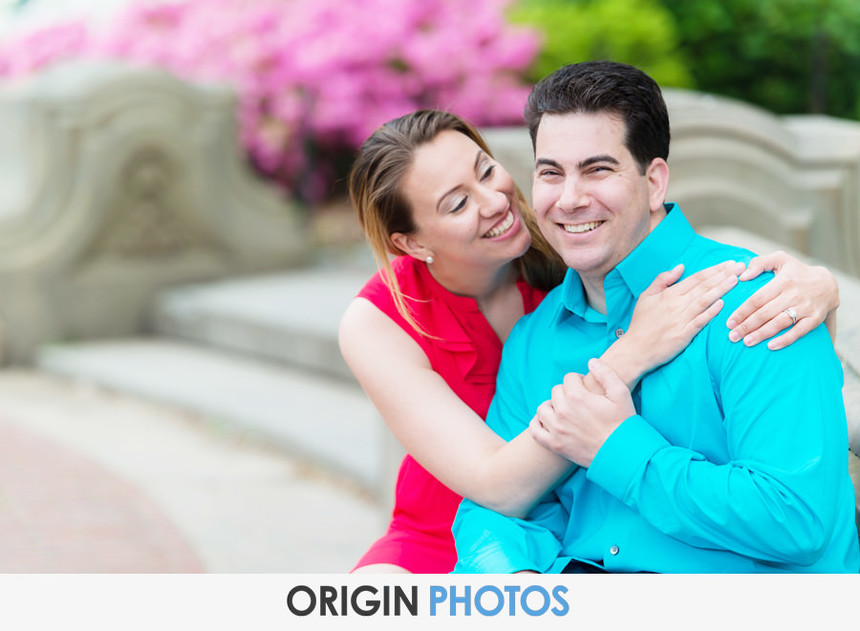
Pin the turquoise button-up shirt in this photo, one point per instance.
(735, 462)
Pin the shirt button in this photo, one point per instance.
(619, 332)
(613, 550)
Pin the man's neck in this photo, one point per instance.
(595, 295)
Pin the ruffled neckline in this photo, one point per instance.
(450, 317)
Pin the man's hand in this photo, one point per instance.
(576, 422)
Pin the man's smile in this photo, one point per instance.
(579, 228)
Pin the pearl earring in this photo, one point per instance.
(429, 260)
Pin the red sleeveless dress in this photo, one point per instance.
(467, 356)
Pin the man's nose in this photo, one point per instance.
(572, 196)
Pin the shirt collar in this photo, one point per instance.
(658, 252)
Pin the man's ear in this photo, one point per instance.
(657, 175)
(409, 245)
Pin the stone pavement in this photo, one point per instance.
(95, 481)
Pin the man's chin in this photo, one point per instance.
(586, 266)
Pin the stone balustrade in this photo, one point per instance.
(116, 181)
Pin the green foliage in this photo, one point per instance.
(789, 56)
(638, 32)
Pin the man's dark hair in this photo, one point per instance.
(605, 86)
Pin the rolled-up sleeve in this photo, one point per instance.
(490, 543)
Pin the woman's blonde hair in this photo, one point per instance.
(375, 191)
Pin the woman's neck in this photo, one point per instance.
(495, 291)
(480, 284)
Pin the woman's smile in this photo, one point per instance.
(504, 226)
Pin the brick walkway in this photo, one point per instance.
(60, 512)
(93, 481)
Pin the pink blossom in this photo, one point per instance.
(33, 51)
(314, 77)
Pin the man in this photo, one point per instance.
(725, 459)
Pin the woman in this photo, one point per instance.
(424, 336)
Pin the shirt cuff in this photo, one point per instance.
(494, 559)
(624, 455)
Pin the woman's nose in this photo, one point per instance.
(495, 202)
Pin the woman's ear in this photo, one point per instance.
(409, 245)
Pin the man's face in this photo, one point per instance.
(592, 203)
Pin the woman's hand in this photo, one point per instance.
(577, 420)
(811, 292)
(668, 315)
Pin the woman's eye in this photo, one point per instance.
(488, 172)
(459, 205)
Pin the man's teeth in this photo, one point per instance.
(502, 227)
(582, 227)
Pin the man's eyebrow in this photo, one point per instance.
(478, 157)
(547, 162)
(581, 165)
(594, 159)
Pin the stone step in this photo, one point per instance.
(290, 317)
(328, 421)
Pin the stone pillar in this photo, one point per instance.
(116, 181)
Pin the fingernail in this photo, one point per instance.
(731, 324)
(749, 340)
(734, 336)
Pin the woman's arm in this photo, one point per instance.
(811, 291)
(453, 443)
(667, 316)
(437, 428)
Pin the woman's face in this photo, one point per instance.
(464, 205)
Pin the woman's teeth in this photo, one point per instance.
(507, 222)
(581, 227)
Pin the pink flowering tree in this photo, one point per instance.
(315, 77)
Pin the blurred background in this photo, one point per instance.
(176, 247)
